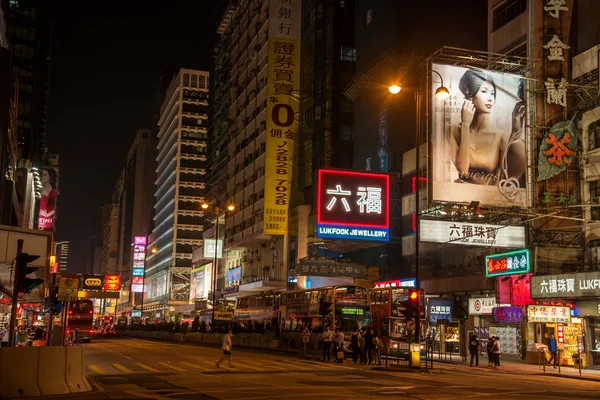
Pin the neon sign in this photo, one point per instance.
(353, 205)
(511, 263)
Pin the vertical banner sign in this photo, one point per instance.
(47, 215)
(139, 256)
(282, 107)
(382, 152)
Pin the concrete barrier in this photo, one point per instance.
(75, 370)
(52, 371)
(19, 372)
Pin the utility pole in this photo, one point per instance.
(15, 297)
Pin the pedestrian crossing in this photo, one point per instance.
(199, 365)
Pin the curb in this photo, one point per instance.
(581, 378)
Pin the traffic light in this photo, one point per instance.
(461, 307)
(23, 284)
(324, 307)
(412, 304)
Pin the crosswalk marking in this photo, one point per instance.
(147, 367)
(122, 368)
(243, 365)
(264, 365)
(96, 369)
(168, 365)
(193, 365)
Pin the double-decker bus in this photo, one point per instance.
(80, 316)
(260, 308)
(347, 308)
(388, 309)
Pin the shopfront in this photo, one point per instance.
(443, 331)
(582, 334)
(504, 323)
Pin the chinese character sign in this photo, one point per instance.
(112, 282)
(507, 314)
(139, 255)
(514, 262)
(472, 234)
(283, 106)
(520, 290)
(541, 313)
(440, 309)
(353, 205)
(557, 150)
(583, 284)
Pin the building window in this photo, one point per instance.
(186, 79)
(345, 104)
(194, 81)
(320, 11)
(318, 113)
(507, 11)
(348, 54)
(594, 135)
(595, 199)
(318, 61)
(369, 16)
(346, 132)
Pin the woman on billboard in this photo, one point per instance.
(48, 200)
(484, 154)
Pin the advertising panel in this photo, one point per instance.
(472, 234)
(47, 215)
(478, 137)
(210, 248)
(513, 262)
(112, 282)
(440, 309)
(520, 290)
(283, 86)
(200, 282)
(353, 205)
(583, 284)
(92, 282)
(540, 313)
(234, 274)
(138, 270)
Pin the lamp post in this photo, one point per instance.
(441, 93)
(205, 206)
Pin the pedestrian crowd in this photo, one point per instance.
(364, 345)
(24, 336)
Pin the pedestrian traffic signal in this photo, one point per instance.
(23, 284)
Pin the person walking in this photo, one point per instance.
(369, 346)
(226, 349)
(552, 348)
(338, 345)
(497, 351)
(490, 352)
(355, 345)
(5, 335)
(474, 350)
(378, 346)
(327, 344)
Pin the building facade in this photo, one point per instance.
(180, 191)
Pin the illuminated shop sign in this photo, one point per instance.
(210, 248)
(507, 314)
(137, 272)
(112, 282)
(482, 306)
(514, 262)
(472, 234)
(541, 313)
(401, 283)
(234, 274)
(440, 309)
(584, 284)
(139, 255)
(353, 205)
(92, 282)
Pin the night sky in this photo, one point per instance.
(107, 58)
(106, 61)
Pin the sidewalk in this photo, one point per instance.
(509, 365)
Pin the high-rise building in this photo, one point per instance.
(61, 250)
(95, 241)
(180, 191)
(136, 210)
(112, 229)
(253, 137)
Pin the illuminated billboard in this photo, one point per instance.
(210, 248)
(353, 205)
(478, 137)
(49, 193)
(138, 270)
(514, 262)
(112, 282)
(200, 282)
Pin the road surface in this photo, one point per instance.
(134, 369)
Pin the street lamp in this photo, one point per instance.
(441, 93)
(229, 207)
